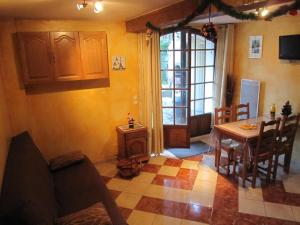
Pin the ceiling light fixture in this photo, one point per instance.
(82, 5)
(98, 6)
(264, 12)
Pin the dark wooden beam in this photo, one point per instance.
(174, 13)
(162, 17)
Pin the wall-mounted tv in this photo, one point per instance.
(289, 47)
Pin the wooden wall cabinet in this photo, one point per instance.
(132, 142)
(94, 54)
(49, 57)
(36, 57)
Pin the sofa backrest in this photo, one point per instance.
(27, 185)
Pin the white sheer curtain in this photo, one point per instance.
(224, 62)
(150, 90)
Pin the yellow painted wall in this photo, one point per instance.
(5, 131)
(80, 119)
(280, 80)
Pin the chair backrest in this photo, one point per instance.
(267, 136)
(223, 115)
(288, 129)
(242, 112)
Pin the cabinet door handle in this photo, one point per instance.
(53, 58)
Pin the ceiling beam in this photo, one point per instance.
(174, 13)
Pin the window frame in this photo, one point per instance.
(188, 69)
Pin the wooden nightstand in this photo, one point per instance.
(132, 142)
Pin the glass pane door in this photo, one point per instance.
(202, 75)
(174, 58)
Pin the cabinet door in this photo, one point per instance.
(94, 54)
(35, 53)
(66, 52)
(136, 146)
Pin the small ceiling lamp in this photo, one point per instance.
(262, 12)
(98, 6)
(82, 5)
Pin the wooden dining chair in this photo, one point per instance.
(224, 115)
(264, 149)
(285, 142)
(241, 112)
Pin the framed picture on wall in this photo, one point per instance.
(118, 63)
(255, 47)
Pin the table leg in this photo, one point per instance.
(245, 163)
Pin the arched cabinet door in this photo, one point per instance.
(66, 55)
(94, 54)
(35, 56)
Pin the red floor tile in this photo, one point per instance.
(197, 158)
(174, 182)
(163, 207)
(198, 213)
(187, 174)
(106, 179)
(125, 212)
(114, 194)
(173, 162)
(150, 168)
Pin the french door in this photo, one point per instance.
(185, 87)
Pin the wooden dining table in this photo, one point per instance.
(236, 132)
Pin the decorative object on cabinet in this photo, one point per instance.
(130, 121)
(255, 47)
(286, 109)
(51, 57)
(118, 63)
(132, 142)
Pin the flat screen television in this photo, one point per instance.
(289, 47)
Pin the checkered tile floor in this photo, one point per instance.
(190, 192)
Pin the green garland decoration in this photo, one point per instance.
(228, 10)
(200, 9)
(282, 10)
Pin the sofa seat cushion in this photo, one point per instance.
(93, 215)
(80, 186)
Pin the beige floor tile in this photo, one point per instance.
(190, 164)
(201, 198)
(279, 211)
(296, 213)
(292, 183)
(205, 186)
(252, 207)
(118, 184)
(189, 222)
(144, 177)
(158, 160)
(168, 170)
(136, 188)
(178, 195)
(166, 220)
(156, 191)
(139, 217)
(107, 169)
(251, 193)
(207, 175)
(128, 200)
